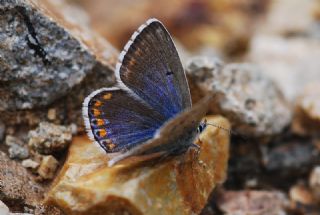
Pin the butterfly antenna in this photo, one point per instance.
(222, 128)
(230, 131)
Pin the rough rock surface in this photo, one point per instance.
(48, 167)
(18, 152)
(17, 187)
(180, 185)
(41, 55)
(249, 99)
(48, 48)
(17, 149)
(307, 112)
(49, 138)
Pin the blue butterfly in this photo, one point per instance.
(149, 113)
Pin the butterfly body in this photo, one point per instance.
(150, 111)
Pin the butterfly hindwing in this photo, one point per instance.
(118, 121)
(151, 68)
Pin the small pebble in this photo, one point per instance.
(28, 163)
(52, 114)
(11, 140)
(18, 152)
(74, 128)
(314, 182)
(4, 210)
(49, 138)
(48, 167)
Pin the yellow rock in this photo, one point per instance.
(181, 185)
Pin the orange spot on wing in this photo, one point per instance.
(111, 145)
(102, 133)
(100, 122)
(97, 103)
(96, 112)
(107, 96)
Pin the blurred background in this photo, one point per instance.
(262, 56)
(282, 36)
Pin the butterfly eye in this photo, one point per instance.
(199, 129)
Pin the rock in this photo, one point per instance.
(249, 99)
(307, 112)
(314, 182)
(18, 152)
(181, 185)
(52, 114)
(291, 62)
(17, 187)
(4, 210)
(49, 138)
(252, 202)
(302, 201)
(69, 44)
(28, 163)
(43, 52)
(301, 194)
(11, 140)
(48, 167)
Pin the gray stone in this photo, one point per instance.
(49, 138)
(40, 58)
(18, 152)
(251, 101)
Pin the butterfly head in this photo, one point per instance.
(202, 126)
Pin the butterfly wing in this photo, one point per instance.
(150, 66)
(118, 121)
(174, 137)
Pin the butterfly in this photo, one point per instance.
(149, 113)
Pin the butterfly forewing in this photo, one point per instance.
(118, 121)
(150, 67)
